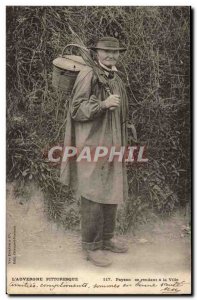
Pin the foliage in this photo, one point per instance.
(156, 70)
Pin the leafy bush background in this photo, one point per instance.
(156, 70)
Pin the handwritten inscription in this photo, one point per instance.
(142, 285)
(172, 287)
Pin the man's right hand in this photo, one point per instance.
(112, 102)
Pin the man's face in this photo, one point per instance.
(108, 57)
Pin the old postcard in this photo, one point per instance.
(98, 150)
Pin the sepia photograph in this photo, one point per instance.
(98, 150)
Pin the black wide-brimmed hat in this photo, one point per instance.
(108, 43)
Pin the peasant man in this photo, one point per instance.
(98, 118)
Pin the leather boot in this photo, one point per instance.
(115, 246)
(98, 258)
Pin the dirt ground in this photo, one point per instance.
(159, 248)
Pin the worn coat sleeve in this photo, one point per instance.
(85, 106)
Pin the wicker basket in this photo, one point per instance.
(66, 69)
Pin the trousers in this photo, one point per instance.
(97, 223)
